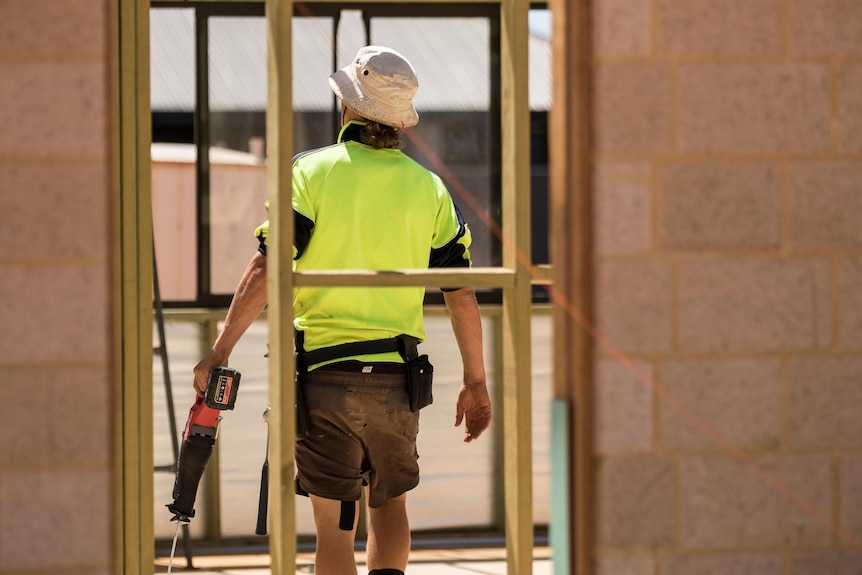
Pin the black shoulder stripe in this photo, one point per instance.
(449, 256)
(302, 226)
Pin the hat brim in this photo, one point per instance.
(345, 86)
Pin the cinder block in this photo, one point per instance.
(632, 108)
(718, 401)
(623, 405)
(708, 206)
(635, 502)
(39, 124)
(826, 206)
(622, 27)
(825, 400)
(825, 562)
(42, 415)
(754, 305)
(623, 211)
(747, 108)
(63, 317)
(725, 564)
(725, 504)
(850, 107)
(77, 223)
(64, 26)
(625, 564)
(825, 27)
(850, 303)
(751, 27)
(633, 305)
(56, 519)
(622, 171)
(851, 497)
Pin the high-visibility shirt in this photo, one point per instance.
(357, 207)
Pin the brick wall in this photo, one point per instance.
(728, 257)
(56, 497)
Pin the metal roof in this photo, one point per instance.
(450, 56)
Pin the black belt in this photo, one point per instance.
(356, 366)
(405, 345)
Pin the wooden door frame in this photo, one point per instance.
(133, 280)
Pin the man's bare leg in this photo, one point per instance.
(389, 535)
(334, 554)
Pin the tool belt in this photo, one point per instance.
(420, 372)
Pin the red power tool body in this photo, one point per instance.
(199, 438)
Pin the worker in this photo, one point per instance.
(361, 203)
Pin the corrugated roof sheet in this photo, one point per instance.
(450, 56)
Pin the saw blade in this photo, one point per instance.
(173, 547)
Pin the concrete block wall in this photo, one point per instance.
(728, 260)
(728, 162)
(56, 450)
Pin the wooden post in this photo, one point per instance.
(571, 253)
(516, 412)
(212, 475)
(133, 267)
(279, 118)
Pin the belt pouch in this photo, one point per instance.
(301, 411)
(420, 372)
(302, 424)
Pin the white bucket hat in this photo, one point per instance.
(379, 84)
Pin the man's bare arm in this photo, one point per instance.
(248, 301)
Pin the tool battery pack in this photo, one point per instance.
(222, 387)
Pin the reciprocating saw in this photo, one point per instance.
(199, 438)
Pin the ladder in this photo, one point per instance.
(161, 351)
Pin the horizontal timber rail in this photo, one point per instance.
(448, 278)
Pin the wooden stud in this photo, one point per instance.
(517, 429)
(571, 252)
(132, 163)
(211, 483)
(279, 117)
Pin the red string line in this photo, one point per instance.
(463, 193)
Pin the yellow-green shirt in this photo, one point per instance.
(356, 207)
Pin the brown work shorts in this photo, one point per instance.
(361, 432)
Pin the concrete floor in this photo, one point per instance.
(424, 562)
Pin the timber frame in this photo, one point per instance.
(133, 278)
(571, 251)
(131, 114)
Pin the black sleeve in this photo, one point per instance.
(451, 255)
(302, 227)
(301, 233)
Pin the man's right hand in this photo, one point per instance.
(248, 301)
(202, 369)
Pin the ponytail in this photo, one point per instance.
(380, 136)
